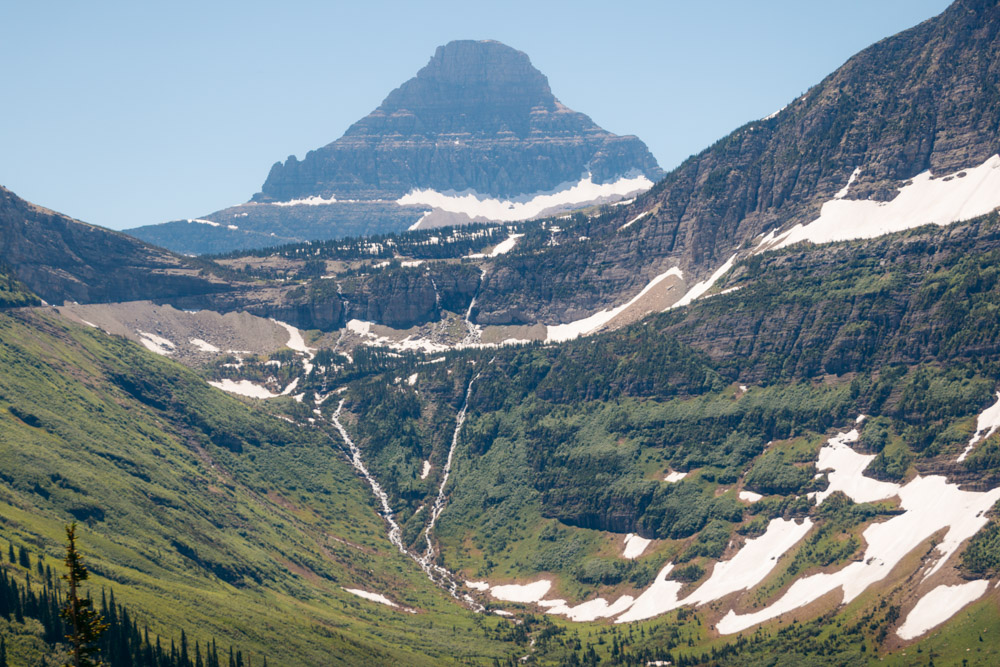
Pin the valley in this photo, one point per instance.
(411, 404)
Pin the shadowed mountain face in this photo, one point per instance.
(479, 116)
(60, 258)
(479, 119)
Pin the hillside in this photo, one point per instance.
(59, 258)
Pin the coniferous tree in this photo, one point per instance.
(85, 624)
(3, 652)
(10, 552)
(23, 558)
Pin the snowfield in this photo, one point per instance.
(930, 506)
(938, 606)
(634, 546)
(525, 207)
(243, 388)
(563, 332)
(986, 425)
(924, 200)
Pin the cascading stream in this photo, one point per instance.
(441, 498)
(437, 574)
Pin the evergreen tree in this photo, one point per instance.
(23, 558)
(3, 652)
(10, 552)
(85, 624)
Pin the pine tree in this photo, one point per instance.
(85, 624)
(10, 552)
(3, 652)
(23, 558)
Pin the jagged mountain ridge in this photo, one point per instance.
(479, 119)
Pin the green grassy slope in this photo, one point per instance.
(205, 514)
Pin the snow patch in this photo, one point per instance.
(700, 288)
(479, 207)
(924, 200)
(242, 387)
(986, 425)
(846, 468)
(635, 220)
(478, 585)
(938, 606)
(674, 476)
(841, 193)
(314, 200)
(426, 471)
(412, 380)
(532, 592)
(204, 346)
(155, 343)
(750, 496)
(634, 546)
(930, 505)
(506, 245)
(563, 332)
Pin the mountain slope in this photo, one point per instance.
(60, 259)
(704, 429)
(204, 514)
(925, 99)
(476, 135)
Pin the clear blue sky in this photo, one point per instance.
(131, 113)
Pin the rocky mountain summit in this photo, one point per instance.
(476, 135)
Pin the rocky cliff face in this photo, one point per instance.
(61, 259)
(925, 99)
(479, 118)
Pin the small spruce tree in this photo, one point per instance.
(85, 624)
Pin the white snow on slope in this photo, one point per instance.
(700, 288)
(635, 220)
(378, 597)
(426, 471)
(314, 200)
(374, 597)
(747, 568)
(243, 388)
(750, 496)
(201, 221)
(532, 592)
(930, 505)
(563, 332)
(204, 346)
(846, 468)
(938, 606)
(297, 343)
(634, 546)
(841, 193)
(591, 610)
(506, 245)
(526, 206)
(157, 344)
(478, 585)
(412, 380)
(923, 200)
(986, 425)
(674, 476)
